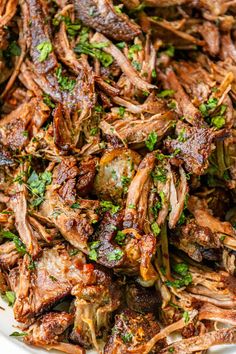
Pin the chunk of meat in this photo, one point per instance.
(22, 123)
(203, 342)
(107, 246)
(187, 109)
(132, 329)
(198, 242)
(195, 79)
(102, 16)
(123, 63)
(18, 204)
(86, 176)
(8, 255)
(47, 332)
(193, 146)
(39, 35)
(53, 277)
(136, 188)
(142, 299)
(136, 131)
(95, 302)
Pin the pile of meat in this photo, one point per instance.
(118, 173)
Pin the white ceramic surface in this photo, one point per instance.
(12, 345)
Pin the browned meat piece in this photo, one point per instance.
(123, 63)
(136, 131)
(107, 248)
(95, 302)
(39, 36)
(47, 332)
(65, 175)
(212, 312)
(174, 32)
(102, 16)
(187, 109)
(142, 299)
(203, 342)
(195, 80)
(18, 204)
(204, 217)
(211, 35)
(116, 170)
(3, 282)
(198, 242)
(193, 146)
(86, 175)
(5, 157)
(53, 277)
(132, 330)
(22, 123)
(228, 49)
(136, 203)
(9, 256)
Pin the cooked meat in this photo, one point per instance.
(223, 336)
(50, 280)
(95, 301)
(19, 206)
(9, 256)
(39, 32)
(23, 123)
(193, 146)
(103, 17)
(132, 329)
(118, 173)
(141, 299)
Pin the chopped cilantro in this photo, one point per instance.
(181, 268)
(73, 252)
(127, 337)
(120, 237)
(181, 136)
(155, 228)
(170, 51)
(179, 283)
(52, 278)
(25, 133)
(171, 350)
(206, 107)
(20, 246)
(18, 334)
(166, 93)
(120, 45)
(93, 131)
(44, 48)
(154, 73)
(108, 206)
(218, 122)
(186, 317)
(134, 49)
(93, 246)
(75, 206)
(115, 255)
(94, 51)
(9, 297)
(47, 100)
(65, 83)
(121, 111)
(137, 66)
(118, 9)
(159, 174)
(37, 185)
(151, 141)
(125, 181)
(131, 206)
